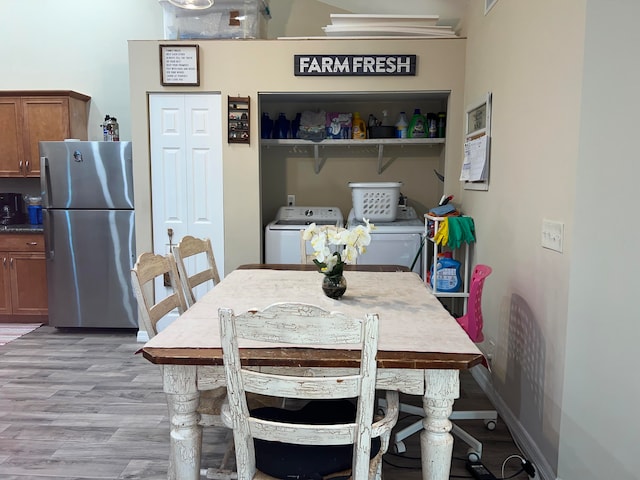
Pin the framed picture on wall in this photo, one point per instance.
(477, 145)
(179, 65)
(488, 5)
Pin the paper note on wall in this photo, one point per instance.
(474, 167)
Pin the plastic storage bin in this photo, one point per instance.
(376, 201)
(224, 19)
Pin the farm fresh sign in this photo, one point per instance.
(363, 65)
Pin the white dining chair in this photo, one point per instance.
(328, 435)
(147, 268)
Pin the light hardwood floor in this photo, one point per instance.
(80, 404)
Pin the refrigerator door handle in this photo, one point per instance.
(45, 187)
(49, 247)
(45, 182)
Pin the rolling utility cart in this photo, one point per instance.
(432, 224)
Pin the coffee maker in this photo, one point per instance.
(11, 208)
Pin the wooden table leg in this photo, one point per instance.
(436, 443)
(186, 435)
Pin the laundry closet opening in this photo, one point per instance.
(314, 163)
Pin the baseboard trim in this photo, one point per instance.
(522, 438)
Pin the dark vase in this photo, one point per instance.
(334, 286)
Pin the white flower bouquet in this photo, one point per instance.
(325, 238)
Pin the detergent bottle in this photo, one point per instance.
(417, 125)
(401, 126)
(447, 273)
(358, 127)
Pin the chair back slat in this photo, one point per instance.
(342, 434)
(290, 386)
(299, 324)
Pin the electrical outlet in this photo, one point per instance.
(291, 200)
(552, 235)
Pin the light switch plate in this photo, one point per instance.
(552, 234)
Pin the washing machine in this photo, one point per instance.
(282, 234)
(394, 243)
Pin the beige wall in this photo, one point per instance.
(246, 68)
(74, 45)
(536, 78)
(600, 422)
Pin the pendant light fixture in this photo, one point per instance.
(192, 4)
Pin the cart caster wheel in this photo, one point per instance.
(399, 447)
(473, 456)
(490, 424)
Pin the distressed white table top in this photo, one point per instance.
(411, 318)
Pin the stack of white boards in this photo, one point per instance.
(379, 25)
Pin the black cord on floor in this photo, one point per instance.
(404, 467)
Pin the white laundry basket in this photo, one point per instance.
(376, 201)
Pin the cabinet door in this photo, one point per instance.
(5, 284)
(29, 276)
(44, 119)
(11, 137)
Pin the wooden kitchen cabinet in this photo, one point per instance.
(11, 138)
(32, 116)
(24, 277)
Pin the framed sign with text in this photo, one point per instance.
(179, 65)
(350, 65)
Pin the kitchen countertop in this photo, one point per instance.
(21, 228)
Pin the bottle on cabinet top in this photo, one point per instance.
(110, 129)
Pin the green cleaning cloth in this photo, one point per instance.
(461, 230)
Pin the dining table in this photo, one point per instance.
(421, 349)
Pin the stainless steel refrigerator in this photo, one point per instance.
(88, 217)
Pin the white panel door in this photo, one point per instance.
(186, 172)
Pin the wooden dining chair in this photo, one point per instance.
(335, 432)
(191, 250)
(147, 268)
(305, 258)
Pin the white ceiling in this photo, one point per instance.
(451, 12)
